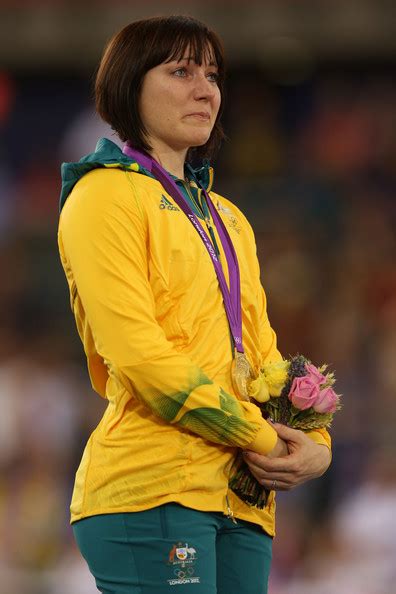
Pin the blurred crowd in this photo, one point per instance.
(313, 166)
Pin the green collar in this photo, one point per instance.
(108, 154)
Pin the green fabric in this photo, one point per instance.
(154, 551)
(194, 197)
(191, 201)
(214, 424)
(168, 406)
(109, 154)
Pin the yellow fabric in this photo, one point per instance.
(320, 436)
(149, 312)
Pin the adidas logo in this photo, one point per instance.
(165, 203)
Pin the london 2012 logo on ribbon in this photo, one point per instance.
(182, 558)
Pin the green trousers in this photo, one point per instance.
(172, 548)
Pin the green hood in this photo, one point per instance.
(109, 154)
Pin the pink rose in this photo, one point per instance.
(315, 374)
(303, 392)
(326, 402)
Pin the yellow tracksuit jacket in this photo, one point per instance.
(150, 314)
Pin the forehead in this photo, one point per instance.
(199, 51)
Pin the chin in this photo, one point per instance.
(199, 140)
(197, 135)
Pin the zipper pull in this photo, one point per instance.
(230, 514)
(208, 223)
(212, 235)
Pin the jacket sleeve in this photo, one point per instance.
(103, 240)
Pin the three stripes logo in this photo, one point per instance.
(166, 204)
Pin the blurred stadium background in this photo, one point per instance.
(311, 159)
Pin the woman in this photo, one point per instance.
(165, 289)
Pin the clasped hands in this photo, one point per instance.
(295, 459)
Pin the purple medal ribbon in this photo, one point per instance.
(232, 296)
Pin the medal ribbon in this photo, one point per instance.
(231, 296)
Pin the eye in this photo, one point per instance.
(180, 72)
(213, 77)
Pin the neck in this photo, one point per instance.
(172, 160)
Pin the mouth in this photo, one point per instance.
(202, 116)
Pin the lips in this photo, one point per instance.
(200, 115)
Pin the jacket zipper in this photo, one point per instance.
(230, 513)
(206, 217)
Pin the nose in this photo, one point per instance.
(204, 89)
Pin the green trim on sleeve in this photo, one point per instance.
(168, 406)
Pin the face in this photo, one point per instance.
(179, 103)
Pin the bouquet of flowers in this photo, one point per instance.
(295, 393)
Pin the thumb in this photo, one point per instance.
(287, 433)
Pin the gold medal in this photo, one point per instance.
(241, 374)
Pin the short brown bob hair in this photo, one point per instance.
(133, 51)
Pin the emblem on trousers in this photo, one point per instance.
(182, 557)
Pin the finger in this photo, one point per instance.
(289, 434)
(277, 486)
(258, 472)
(274, 484)
(262, 475)
(283, 464)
